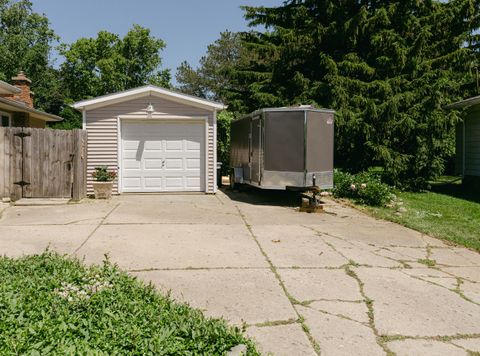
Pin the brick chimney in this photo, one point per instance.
(23, 83)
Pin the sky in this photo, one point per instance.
(187, 26)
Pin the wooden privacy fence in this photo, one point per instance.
(42, 163)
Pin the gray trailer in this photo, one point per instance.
(283, 148)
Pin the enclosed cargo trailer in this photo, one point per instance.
(283, 148)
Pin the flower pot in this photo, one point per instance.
(103, 190)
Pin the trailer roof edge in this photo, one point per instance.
(284, 109)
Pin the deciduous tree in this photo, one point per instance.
(108, 63)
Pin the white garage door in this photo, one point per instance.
(163, 156)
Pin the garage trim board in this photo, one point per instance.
(134, 120)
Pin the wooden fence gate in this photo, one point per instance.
(42, 163)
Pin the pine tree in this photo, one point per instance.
(387, 67)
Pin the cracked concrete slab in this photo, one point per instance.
(290, 245)
(251, 296)
(424, 271)
(403, 253)
(314, 284)
(471, 290)
(205, 254)
(338, 336)
(88, 213)
(16, 241)
(472, 345)
(135, 247)
(360, 253)
(455, 257)
(449, 283)
(470, 273)
(407, 306)
(373, 232)
(424, 348)
(353, 310)
(282, 340)
(174, 209)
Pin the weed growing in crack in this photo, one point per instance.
(427, 262)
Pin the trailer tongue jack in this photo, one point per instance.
(311, 202)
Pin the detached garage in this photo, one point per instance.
(156, 139)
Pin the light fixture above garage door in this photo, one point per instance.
(149, 110)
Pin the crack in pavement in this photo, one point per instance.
(341, 316)
(96, 228)
(371, 316)
(196, 269)
(314, 343)
(275, 323)
(457, 290)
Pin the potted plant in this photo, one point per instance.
(103, 182)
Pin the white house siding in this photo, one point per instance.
(472, 144)
(101, 124)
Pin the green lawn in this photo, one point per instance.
(449, 212)
(53, 305)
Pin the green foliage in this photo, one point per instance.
(224, 121)
(92, 66)
(108, 63)
(364, 188)
(452, 215)
(386, 67)
(102, 174)
(54, 305)
(72, 119)
(26, 41)
(213, 78)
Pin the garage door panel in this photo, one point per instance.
(150, 145)
(130, 145)
(153, 182)
(163, 157)
(132, 182)
(131, 164)
(174, 182)
(173, 163)
(193, 182)
(192, 163)
(193, 146)
(174, 145)
(152, 163)
(130, 154)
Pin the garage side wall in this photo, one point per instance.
(101, 125)
(472, 143)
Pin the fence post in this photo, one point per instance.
(15, 163)
(79, 189)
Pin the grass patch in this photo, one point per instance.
(54, 305)
(450, 212)
(427, 262)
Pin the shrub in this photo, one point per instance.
(365, 188)
(55, 305)
(102, 174)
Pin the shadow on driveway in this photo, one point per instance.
(255, 196)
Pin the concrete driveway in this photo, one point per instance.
(339, 283)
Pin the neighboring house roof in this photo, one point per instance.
(147, 91)
(16, 106)
(6, 88)
(464, 103)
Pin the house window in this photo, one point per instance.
(6, 120)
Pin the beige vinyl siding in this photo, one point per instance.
(472, 143)
(101, 124)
